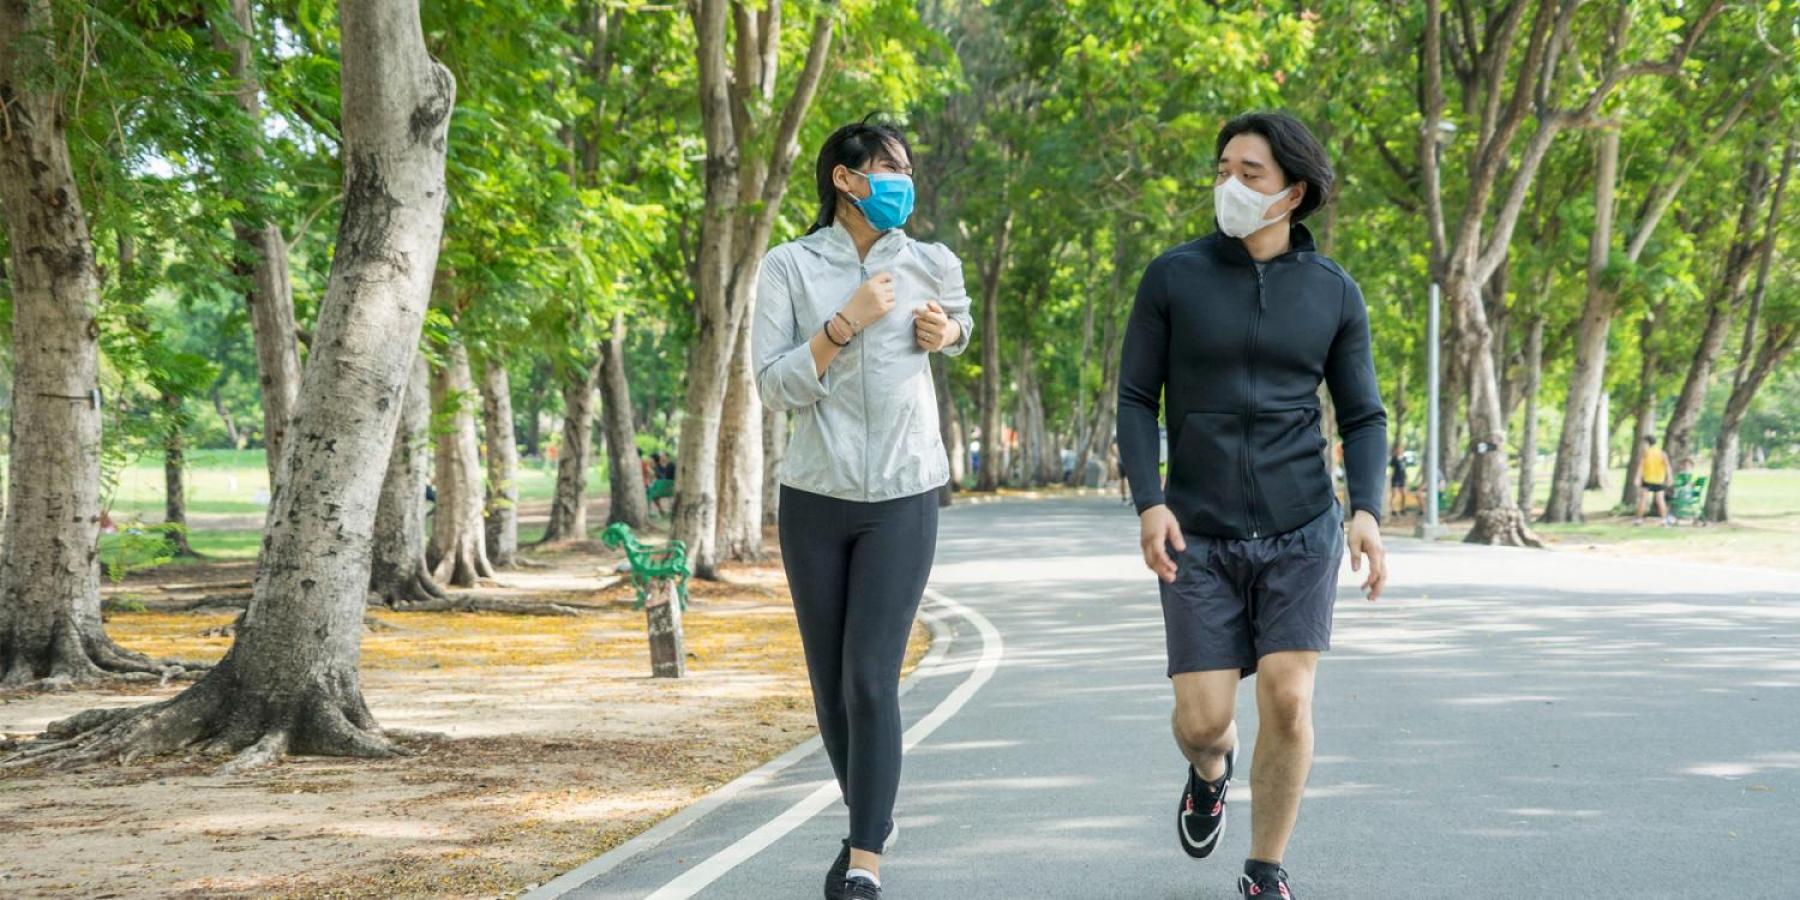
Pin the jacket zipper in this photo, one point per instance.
(862, 368)
(1250, 407)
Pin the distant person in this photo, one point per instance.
(1654, 480)
(846, 320)
(1397, 480)
(1230, 337)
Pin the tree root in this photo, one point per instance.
(472, 602)
(216, 717)
(81, 658)
(1503, 527)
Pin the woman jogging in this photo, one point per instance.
(845, 320)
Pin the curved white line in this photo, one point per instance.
(691, 882)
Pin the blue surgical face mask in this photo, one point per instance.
(890, 200)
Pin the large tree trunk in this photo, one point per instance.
(398, 576)
(49, 576)
(1534, 375)
(1723, 300)
(457, 554)
(1575, 447)
(262, 255)
(568, 506)
(502, 465)
(740, 459)
(1498, 519)
(743, 195)
(175, 478)
(625, 475)
(290, 683)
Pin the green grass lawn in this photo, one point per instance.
(234, 483)
(1764, 529)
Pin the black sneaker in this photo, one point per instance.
(834, 876)
(1265, 886)
(1202, 816)
(860, 889)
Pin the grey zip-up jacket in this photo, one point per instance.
(867, 430)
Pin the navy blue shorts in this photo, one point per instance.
(1235, 601)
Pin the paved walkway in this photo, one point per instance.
(1506, 724)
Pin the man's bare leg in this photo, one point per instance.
(1284, 749)
(1203, 722)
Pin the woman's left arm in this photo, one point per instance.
(954, 301)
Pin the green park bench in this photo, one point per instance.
(1685, 496)
(659, 572)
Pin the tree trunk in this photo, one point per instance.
(231, 432)
(568, 507)
(534, 410)
(1599, 447)
(740, 459)
(398, 576)
(1498, 519)
(262, 255)
(1754, 362)
(775, 437)
(992, 442)
(625, 475)
(290, 680)
(1534, 375)
(1575, 447)
(502, 465)
(457, 554)
(742, 197)
(49, 575)
(1723, 300)
(175, 479)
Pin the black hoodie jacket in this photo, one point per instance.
(1238, 355)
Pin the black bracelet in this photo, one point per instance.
(834, 342)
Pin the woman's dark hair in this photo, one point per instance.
(854, 146)
(1299, 154)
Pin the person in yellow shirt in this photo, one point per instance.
(1654, 481)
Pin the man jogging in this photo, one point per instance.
(1237, 330)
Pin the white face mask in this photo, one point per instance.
(1241, 208)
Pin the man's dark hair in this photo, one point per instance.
(1299, 154)
(1649, 440)
(853, 146)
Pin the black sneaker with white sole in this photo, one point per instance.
(1265, 886)
(1202, 816)
(834, 876)
(861, 889)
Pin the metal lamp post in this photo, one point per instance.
(1429, 527)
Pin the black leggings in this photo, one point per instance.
(857, 571)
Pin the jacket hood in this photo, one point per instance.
(834, 245)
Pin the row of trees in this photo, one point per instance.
(613, 172)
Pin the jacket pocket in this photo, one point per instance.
(1206, 479)
(1289, 459)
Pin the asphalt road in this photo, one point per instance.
(1505, 724)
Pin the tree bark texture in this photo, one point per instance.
(457, 554)
(398, 577)
(290, 682)
(502, 514)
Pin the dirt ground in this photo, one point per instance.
(552, 745)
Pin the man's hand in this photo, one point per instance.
(933, 328)
(1365, 539)
(1157, 533)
